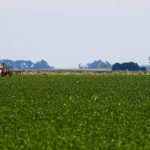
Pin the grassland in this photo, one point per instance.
(45, 112)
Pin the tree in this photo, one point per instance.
(130, 66)
(99, 65)
(41, 65)
(25, 64)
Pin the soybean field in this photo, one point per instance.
(81, 112)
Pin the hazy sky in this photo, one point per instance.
(69, 32)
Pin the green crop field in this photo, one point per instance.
(44, 112)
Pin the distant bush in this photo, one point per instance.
(130, 66)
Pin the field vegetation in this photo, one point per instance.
(75, 112)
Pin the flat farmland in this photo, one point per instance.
(45, 112)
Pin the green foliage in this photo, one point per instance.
(75, 112)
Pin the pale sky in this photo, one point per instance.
(68, 32)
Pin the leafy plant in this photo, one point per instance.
(75, 112)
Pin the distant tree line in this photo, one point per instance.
(25, 64)
(128, 66)
(97, 64)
